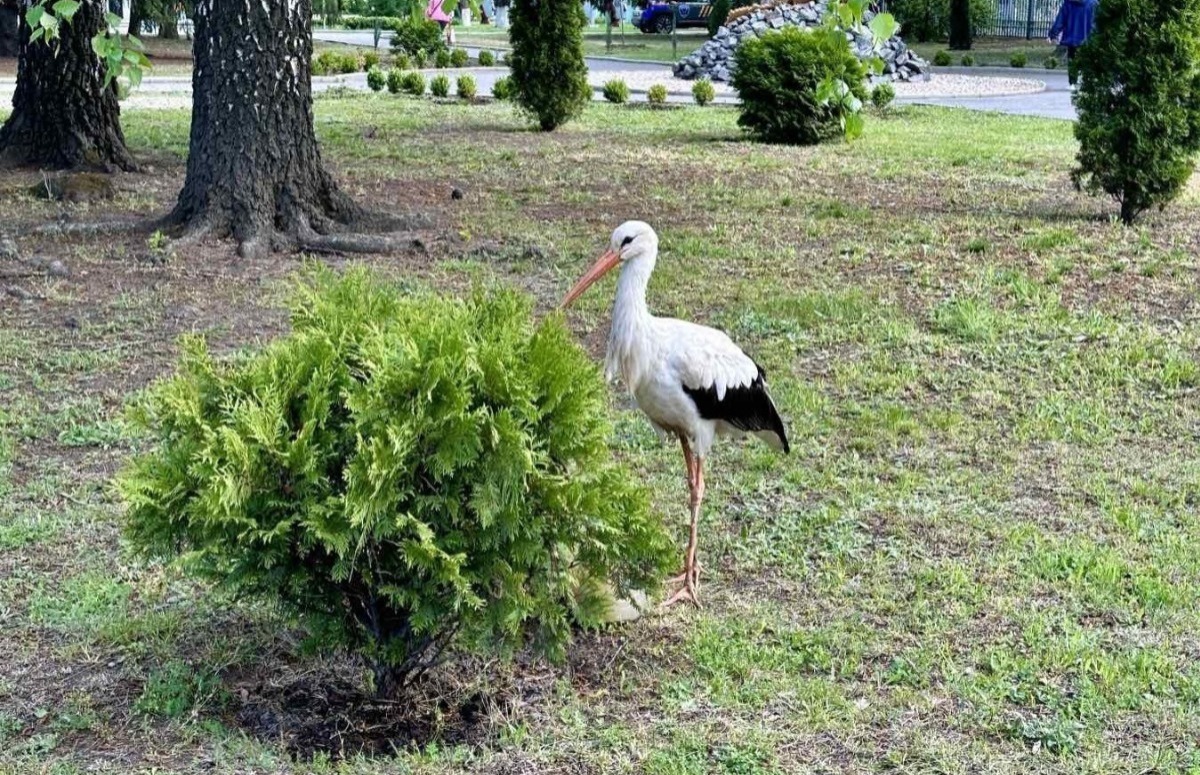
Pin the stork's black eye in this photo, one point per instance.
(626, 241)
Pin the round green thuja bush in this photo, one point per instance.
(703, 92)
(968, 60)
(1018, 59)
(417, 34)
(778, 77)
(466, 87)
(395, 81)
(369, 60)
(942, 58)
(402, 474)
(882, 96)
(616, 91)
(441, 59)
(486, 59)
(459, 58)
(503, 89)
(376, 80)
(439, 86)
(657, 95)
(413, 83)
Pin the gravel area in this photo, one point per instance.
(938, 86)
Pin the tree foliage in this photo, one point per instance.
(548, 71)
(1139, 102)
(925, 20)
(123, 57)
(402, 473)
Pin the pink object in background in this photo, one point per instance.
(434, 11)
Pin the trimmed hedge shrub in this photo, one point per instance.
(439, 86)
(459, 58)
(401, 473)
(376, 79)
(1051, 63)
(1018, 59)
(548, 71)
(369, 60)
(657, 95)
(395, 81)
(466, 87)
(401, 61)
(615, 91)
(968, 60)
(942, 59)
(486, 59)
(1139, 103)
(703, 92)
(441, 59)
(503, 88)
(778, 77)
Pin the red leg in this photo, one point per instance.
(690, 590)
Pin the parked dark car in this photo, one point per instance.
(656, 17)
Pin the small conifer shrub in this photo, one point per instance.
(779, 78)
(395, 81)
(401, 61)
(503, 89)
(1018, 59)
(1051, 63)
(376, 80)
(615, 91)
(417, 33)
(402, 474)
(486, 59)
(466, 87)
(439, 86)
(703, 92)
(968, 60)
(369, 60)
(413, 83)
(882, 96)
(720, 12)
(548, 71)
(1139, 103)
(459, 57)
(942, 58)
(441, 59)
(657, 95)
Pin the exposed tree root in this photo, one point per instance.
(360, 243)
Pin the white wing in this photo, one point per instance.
(704, 357)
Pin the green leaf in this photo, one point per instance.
(49, 22)
(876, 65)
(100, 44)
(883, 27)
(65, 9)
(36, 35)
(855, 125)
(114, 21)
(33, 16)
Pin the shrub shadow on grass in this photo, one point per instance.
(317, 713)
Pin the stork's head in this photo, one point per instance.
(631, 240)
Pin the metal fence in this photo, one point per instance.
(1022, 18)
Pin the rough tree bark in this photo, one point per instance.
(254, 170)
(960, 25)
(62, 115)
(137, 17)
(10, 42)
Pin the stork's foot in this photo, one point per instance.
(688, 593)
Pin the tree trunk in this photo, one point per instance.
(137, 17)
(254, 170)
(10, 40)
(960, 25)
(62, 114)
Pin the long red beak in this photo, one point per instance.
(603, 264)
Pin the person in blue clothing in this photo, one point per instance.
(1072, 27)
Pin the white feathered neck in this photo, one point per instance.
(629, 339)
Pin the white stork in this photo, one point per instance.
(692, 381)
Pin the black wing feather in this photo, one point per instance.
(746, 407)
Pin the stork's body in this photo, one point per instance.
(691, 381)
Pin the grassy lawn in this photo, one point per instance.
(980, 556)
(996, 52)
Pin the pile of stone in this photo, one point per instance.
(714, 60)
